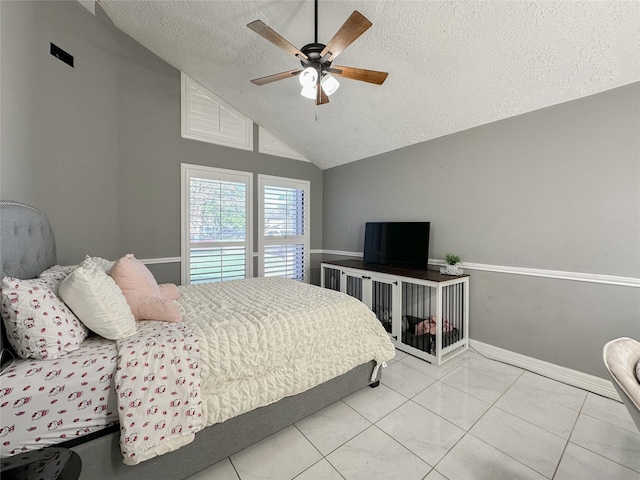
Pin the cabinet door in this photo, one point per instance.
(381, 296)
(419, 309)
(343, 280)
(378, 293)
(330, 277)
(352, 284)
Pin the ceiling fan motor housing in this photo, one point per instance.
(313, 51)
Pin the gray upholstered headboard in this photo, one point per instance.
(27, 247)
(27, 244)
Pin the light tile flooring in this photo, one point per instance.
(471, 418)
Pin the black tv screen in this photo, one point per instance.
(399, 244)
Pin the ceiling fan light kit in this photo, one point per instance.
(308, 77)
(316, 58)
(309, 92)
(329, 84)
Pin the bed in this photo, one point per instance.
(237, 419)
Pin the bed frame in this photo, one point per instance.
(27, 247)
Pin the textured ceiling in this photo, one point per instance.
(452, 65)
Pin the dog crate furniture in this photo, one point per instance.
(425, 313)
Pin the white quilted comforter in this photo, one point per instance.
(263, 339)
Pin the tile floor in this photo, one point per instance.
(471, 418)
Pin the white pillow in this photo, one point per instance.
(97, 301)
(39, 325)
(105, 265)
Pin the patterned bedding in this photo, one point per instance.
(158, 388)
(50, 401)
(259, 340)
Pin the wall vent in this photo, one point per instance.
(61, 55)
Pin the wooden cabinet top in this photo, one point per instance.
(430, 275)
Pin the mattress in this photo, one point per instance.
(263, 339)
(50, 401)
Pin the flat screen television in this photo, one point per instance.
(399, 244)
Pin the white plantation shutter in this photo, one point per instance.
(216, 226)
(208, 118)
(284, 261)
(284, 227)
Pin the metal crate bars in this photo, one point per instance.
(420, 319)
(331, 278)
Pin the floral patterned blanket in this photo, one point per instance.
(157, 383)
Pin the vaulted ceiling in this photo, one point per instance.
(452, 65)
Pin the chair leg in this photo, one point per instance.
(375, 384)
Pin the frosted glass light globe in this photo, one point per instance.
(308, 77)
(309, 92)
(329, 84)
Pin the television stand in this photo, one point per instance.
(425, 313)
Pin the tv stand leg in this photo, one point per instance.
(375, 384)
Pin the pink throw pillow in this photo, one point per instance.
(169, 291)
(141, 290)
(157, 308)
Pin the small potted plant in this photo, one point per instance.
(452, 261)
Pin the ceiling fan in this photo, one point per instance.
(317, 74)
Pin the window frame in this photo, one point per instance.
(186, 173)
(265, 240)
(188, 112)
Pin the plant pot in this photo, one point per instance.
(451, 270)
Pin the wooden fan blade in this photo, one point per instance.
(321, 96)
(355, 26)
(267, 32)
(361, 74)
(275, 77)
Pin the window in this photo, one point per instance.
(284, 227)
(216, 224)
(208, 118)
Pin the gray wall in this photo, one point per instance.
(59, 124)
(97, 147)
(555, 189)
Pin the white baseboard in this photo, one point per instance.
(582, 380)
